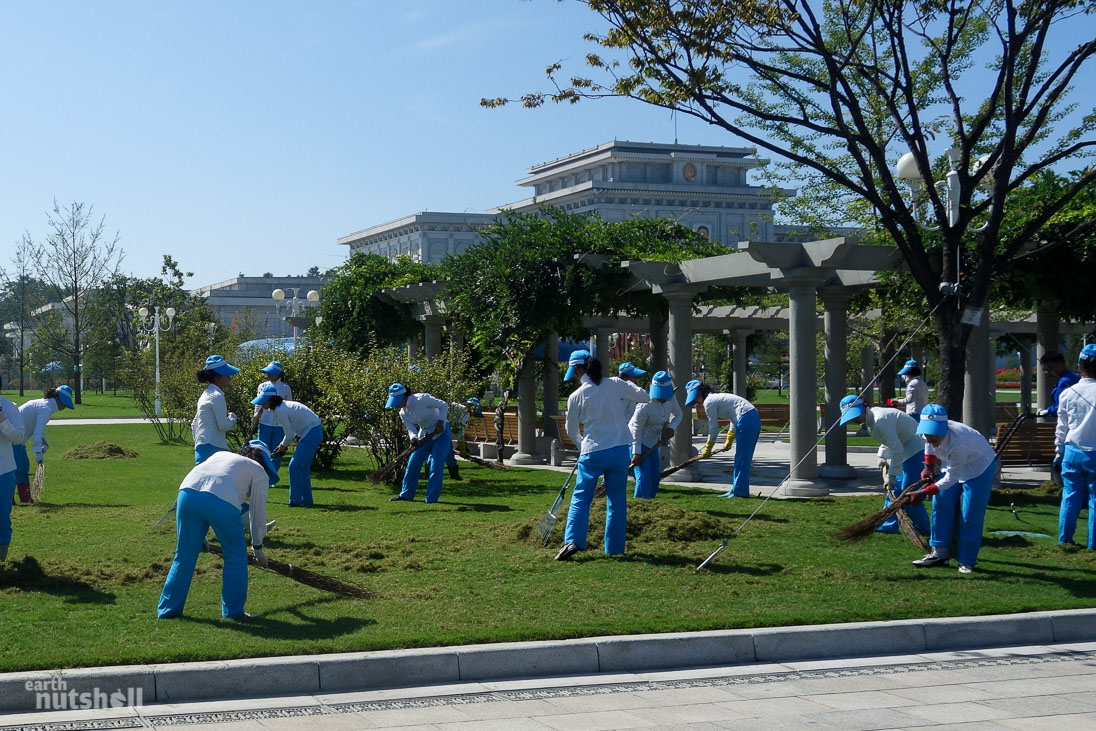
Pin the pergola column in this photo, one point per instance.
(802, 481)
(681, 370)
(432, 326)
(867, 373)
(414, 346)
(456, 339)
(1047, 340)
(1025, 379)
(527, 413)
(601, 347)
(739, 356)
(551, 384)
(979, 396)
(835, 301)
(658, 329)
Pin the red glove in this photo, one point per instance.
(918, 496)
(930, 467)
(890, 403)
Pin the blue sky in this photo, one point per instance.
(248, 136)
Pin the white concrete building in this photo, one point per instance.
(246, 303)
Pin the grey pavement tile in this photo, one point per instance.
(957, 712)
(410, 716)
(854, 701)
(855, 662)
(1076, 647)
(38, 717)
(729, 671)
(236, 704)
(775, 707)
(419, 727)
(327, 722)
(684, 696)
(934, 677)
(1040, 705)
(870, 719)
(944, 694)
(601, 701)
(853, 683)
(1038, 686)
(776, 723)
(422, 691)
(1084, 697)
(497, 724)
(973, 726)
(697, 713)
(508, 709)
(229, 726)
(595, 721)
(703, 726)
(986, 652)
(1068, 722)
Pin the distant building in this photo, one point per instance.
(245, 303)
(702, 186)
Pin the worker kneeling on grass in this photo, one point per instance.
(900, 451)
(211, 496)
(969, 465)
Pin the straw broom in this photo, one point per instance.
(39, 484)
(383, 472)
(670, 470)
(905, 524)
(862, 529)
(306, 577)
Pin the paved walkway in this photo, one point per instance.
(1040, 687)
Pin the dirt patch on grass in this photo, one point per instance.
(100, 450)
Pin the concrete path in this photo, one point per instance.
(1049, 687)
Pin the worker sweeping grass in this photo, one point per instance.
(426, 419)
(1075, 443)
(271, 432)
(745, 425)
(297, 422)
(35, 415)
(11, 436)
(652, 424)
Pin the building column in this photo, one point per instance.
(802, 481)
(867, 382)
(414, 346)
(658, 326)
(680, 340)
(740, 362)
(1025, 379)
(527, 413)
(551, 385)
(980, 392)
(456, 339)
(432, 325)
(601, 347)
(835, 323)
(1046, 336)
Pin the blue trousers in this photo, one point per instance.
(746, 434)
(300, 467)
(971, 497)
(202, 452)
(196, 513)
(7, 494)
(22, 463)
(612, 464)
(1078, 490)
(272, 436)
(647, 474)
(437, 449)
(911, 473)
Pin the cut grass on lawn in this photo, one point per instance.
(84, 573)
(94, 406)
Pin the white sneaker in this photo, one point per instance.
(932, 559)
(270, 525)
(964, 569)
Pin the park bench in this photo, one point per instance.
(561, 444)
(1031, 444)
(1006, 412)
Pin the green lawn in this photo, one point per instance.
(467, 569)
(94, 406)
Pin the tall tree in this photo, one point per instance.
(842, 88)
(75, 258)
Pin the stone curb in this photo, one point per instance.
(359, 671)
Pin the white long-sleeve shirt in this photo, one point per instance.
(36, 413)
(896, 433)
(266, 416)
(917, 396)
(421, 414)
(11, 433)
(964, 454)
(212, 422)
(724, 406)
(235, 479)
(1077, 417)
(650, 418)
(597, 415)
(295, 419)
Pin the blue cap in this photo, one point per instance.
(910, 364)
(852, 407)
(414, 368)
(396, 392)
(934, 420)
(578, 358)
(662, 386)
(627, 369)
(220, 366)
(268, 391)
(65, 394)
(1087, 353)
(692, 388)
(268, 464)
(473, 401)
(274, 368)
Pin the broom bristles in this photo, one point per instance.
(308, 578)
(861, 529)
(39, 483)
(486, 463)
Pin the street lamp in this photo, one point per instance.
(155, 327)
(295, 305)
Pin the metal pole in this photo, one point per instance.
(156, 325)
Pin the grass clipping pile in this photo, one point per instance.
(649, 521)
(100, 450)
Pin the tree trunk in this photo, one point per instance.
(886, 370)
(952, 338)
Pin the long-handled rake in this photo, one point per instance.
(691, 460)
(39, 483)
(548, 521)
(905, 524)
(163, 517)
(306, 577)
(383, 472)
